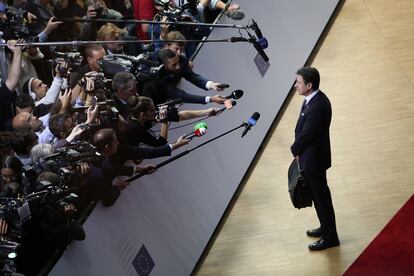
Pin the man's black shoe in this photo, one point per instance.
(323, 244)
(316, 233)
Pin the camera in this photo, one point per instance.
(14, 27)
(107, 113)
(172, 110)
(73, 61)
(100, 11)
(93, 81)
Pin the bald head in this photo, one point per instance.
(26, 120)
(104, 138)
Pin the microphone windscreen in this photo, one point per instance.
(256, 116)
(237, 94)
(236, 14)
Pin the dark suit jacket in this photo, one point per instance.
(137, 134)
(164, 86)
(7, 106)
(121, 107)
(312, 141)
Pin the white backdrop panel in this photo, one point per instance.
(174, 212)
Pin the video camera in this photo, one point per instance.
(65, 162)
(179, 13)
(14, 27)
(93, 81)
(108, 114)
(73, 61)
(171, 107)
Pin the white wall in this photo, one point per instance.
(175, 211)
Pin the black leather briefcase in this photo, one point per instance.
(298, 185)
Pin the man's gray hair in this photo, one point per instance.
(40, 151)
(120, 81)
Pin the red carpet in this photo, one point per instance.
(392, 251)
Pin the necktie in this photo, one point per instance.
(303, 106)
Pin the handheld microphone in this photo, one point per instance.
(199, 130)
(228, 105)
(236, 94)
(251, 122)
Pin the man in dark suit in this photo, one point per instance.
(312, 149)
(175, 67)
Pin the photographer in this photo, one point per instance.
(63, 128)
(7, 93)
(96, 9)
(27, 120)
(143, 114)
(40, 151)
(23, 142)
(110, 31)
(40, 92)
(124, 86)
(94, 56)
(11, 170)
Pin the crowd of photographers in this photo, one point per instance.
(71, 116)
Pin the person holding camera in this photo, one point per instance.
(40, 92)
(96, 9)
(144, 114)
(64, 129)
(24, 140)
(7, 93)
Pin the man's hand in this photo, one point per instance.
(83, 168)
(65, 99)
(181, 141)
(75, 132)
(216, 86)
(212, 111)
(11, 44)
(91, 13)
(52, 25)
(92, 115)
(162, 114)
(148, 169)
(233, 7)
(31, 18)
(121, 184)
(218, 99)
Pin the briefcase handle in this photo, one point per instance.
(299, 168)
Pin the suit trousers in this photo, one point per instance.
(323, 204)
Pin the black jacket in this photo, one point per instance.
(312, 141)
(164, 86)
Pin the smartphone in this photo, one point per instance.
(84, 126)
(223, 85)
(94, 102)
